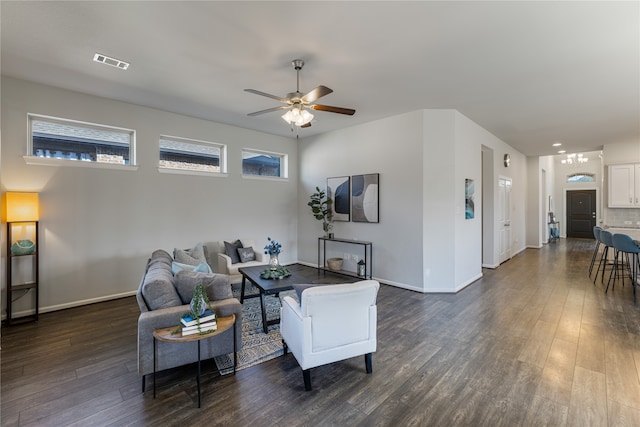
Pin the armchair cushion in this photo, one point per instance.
(246, 254)
(231, 249)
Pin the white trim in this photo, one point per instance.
(73, 304)
(44, 161)
(264, 177)
(221, 147)
(192, 172)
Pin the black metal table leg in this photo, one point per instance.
(155, 365)
(235, 349)
(265, 327)
(198, 379)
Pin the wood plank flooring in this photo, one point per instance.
(533, 342)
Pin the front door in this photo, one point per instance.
(581, 213)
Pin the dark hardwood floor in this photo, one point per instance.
(533, 342)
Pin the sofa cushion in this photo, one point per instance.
(216, 285)
(193, 256)
(246, 254)
(231, 249)
(157, 289)
(203, 267)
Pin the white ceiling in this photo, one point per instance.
(532, 73)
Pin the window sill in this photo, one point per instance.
(191, 172)
(265, 178)
(45, 161)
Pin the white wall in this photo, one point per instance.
(423, 241)
(98, 226)
(391, 147)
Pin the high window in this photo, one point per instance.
(62, 139)
(581, 177)
(264, 164)
(189, 155)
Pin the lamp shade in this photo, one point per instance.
(22, 207)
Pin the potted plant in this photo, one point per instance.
(198, 306)
(320, 205)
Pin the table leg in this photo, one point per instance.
(198, 379)
(244, 282)
(265, 328)
(155, 367)
(235, 348)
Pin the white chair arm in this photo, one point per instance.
(292, 327)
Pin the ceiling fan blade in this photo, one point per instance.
(268, 95)
(268, 110)
(306, 125)
(316, 93)
(339, 110)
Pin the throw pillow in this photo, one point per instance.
(193, 256)
(203, 267)
(216, 285)
(231, 249)
(246, 254)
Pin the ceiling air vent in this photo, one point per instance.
(103, 59)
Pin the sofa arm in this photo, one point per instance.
(224, 263)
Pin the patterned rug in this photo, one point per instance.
(257, 347)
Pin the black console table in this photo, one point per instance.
(368, 256)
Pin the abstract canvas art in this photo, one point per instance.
(364, 198)
(469, 190)
(338, 191)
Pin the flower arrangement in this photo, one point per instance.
(273, 248)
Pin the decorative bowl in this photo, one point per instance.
(23, 247)
(335, 263)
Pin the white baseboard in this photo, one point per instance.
(72, 304)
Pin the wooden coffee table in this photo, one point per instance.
(224, 323)
(300, 274)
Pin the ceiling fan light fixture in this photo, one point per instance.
(297, 116)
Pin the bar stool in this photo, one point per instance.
(606, 240)
(625, 247)
(596, 235)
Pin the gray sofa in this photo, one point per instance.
(163, 298)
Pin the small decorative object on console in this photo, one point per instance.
(335, 264)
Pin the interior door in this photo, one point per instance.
(581, 213)
(504, 218)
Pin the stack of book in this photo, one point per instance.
(190, 324)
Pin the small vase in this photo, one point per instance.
(274, 263)
(203, 306)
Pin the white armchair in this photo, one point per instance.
(226, 267)
(332, 323)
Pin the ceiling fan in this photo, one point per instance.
(299, 104)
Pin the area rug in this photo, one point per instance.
(257, 347)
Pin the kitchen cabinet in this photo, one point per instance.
(624, 186)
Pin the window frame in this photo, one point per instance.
(179, 139)
(284, 164)
(31, 159)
